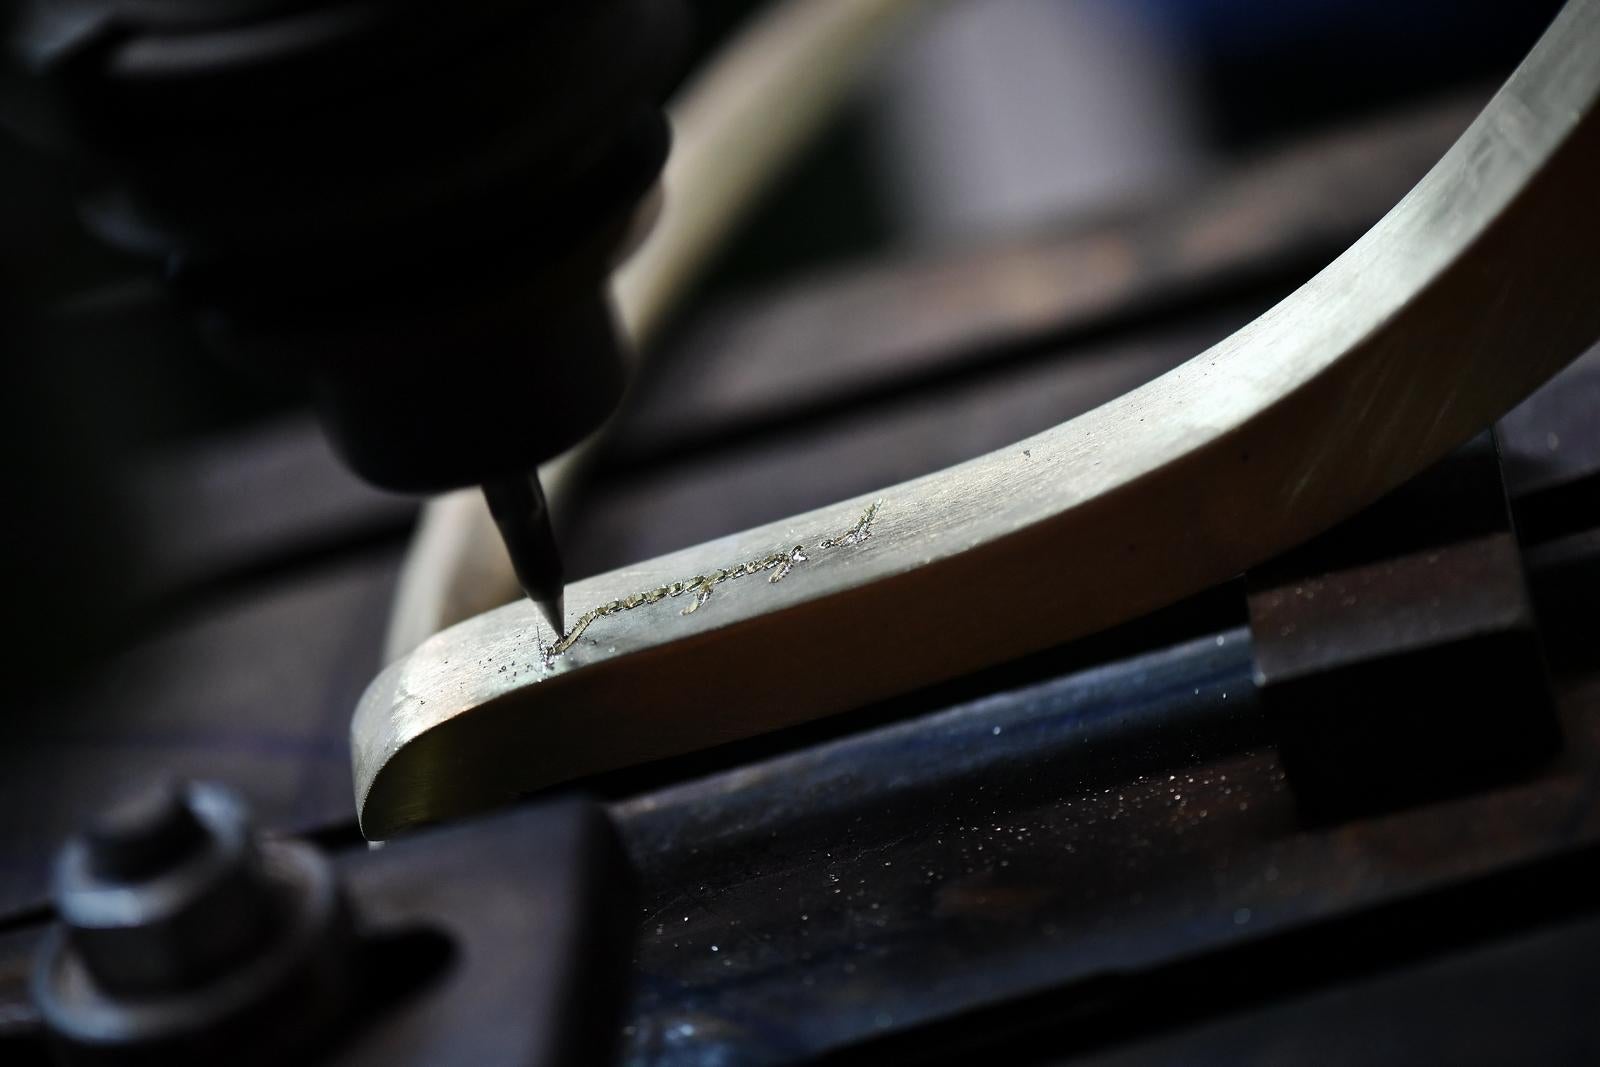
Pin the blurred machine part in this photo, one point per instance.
(419, 213)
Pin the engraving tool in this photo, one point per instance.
(439, 280)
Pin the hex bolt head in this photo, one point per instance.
(165, 889)
(146, 833)
(188, 937)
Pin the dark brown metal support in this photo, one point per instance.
(1399, 655)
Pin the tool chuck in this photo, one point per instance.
(415, 206)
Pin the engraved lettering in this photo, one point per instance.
(781, 564)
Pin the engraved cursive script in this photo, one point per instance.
(701, 586)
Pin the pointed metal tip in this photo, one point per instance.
(555, 613)
(519, 509)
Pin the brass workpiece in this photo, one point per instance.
(1471, 292)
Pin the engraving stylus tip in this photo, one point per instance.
(520, 511)
(555, 612)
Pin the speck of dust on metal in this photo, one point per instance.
(780, 563)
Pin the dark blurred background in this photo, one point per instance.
(989, 117)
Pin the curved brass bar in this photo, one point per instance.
(1476, 287)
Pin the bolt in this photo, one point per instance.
(186, 937)
(165, 889)
(147, 833)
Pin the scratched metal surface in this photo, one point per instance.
(885, 879)
(1118, 821)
